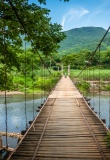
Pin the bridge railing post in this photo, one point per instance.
(0, 147)
(0, 142)
(68, 70)
(62, 70)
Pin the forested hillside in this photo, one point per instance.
(83, 38)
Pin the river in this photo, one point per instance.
(16, 121)
(16, 117)
(101, 104)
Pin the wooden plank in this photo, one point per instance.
(64, 133)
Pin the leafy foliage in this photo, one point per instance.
(79, 60)
(107, 139)
(40, 82)
(80, 38)
(44, 1)
(20, 18)
(22, 23)
(83, 86)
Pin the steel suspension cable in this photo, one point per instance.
(109, 100)
(109, 108)
(99, 81)
(45, 64)
(5, 75)
(93, 88)
(44, 81)
(52, 59)
(95, 50)
(41, 85)
(83, 80)
(5, 88)
(87, 79)
(23, 26)
(33, 86)
(25, 68)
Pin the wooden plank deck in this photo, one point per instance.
(65, 129)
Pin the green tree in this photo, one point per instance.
(19, 22)
(44, 1)
(105, 58)
(20, 18)
(75, 60)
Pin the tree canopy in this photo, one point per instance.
(44, 1)
(79, 60)
(20, 18)
(22, 23)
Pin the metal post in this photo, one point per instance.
(0, 155)
(0, 142)
(0, 147)
(62, 70)
(50, 65)
(68, 70)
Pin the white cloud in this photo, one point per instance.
(63, 21)
(72, 15)
(83, 12)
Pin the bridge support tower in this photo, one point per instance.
(68, 70)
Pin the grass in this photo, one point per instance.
(37, 83)
(92, 74)
(98, 76)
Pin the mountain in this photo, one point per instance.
(83, 38)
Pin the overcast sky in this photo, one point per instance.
(79, 13)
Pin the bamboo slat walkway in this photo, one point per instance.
(65, 129)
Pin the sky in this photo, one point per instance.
(78, 13)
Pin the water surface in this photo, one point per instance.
(19, 110)
(19, 113)
(101, 105)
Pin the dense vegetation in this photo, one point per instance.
(22, 24)
(44, 1)
(79, 60)
(27, 38)
(91, 79)
(26, 25)
(96, 65)
(79, 39)
(30, 73)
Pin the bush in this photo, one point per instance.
(83, 86)
(107, 139)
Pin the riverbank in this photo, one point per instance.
(18, 92)
(100, 87)
(22, 93)
(104, 93)
(10, 92)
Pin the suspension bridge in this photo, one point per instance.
(65, 128)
